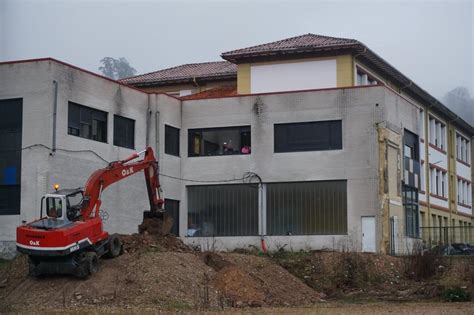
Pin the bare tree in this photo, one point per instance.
(460, 101)
(116, 68)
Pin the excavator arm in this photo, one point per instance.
(116, 171)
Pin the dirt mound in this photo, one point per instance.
(147, 242)
(247, 280)
(156, 226)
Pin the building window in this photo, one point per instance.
(410, 204)
(437, 133)
(11, 121)
(172, 209)
(222, 210)
(438, 182)
(171, 140)
(308, 136)
(307, 208)
(219, 141)
(124, 132)
(422, 177)
(363, 78)
(86, 122)
(463, 149)
(464, 192)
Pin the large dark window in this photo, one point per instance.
(11, 113)
(124, 132)
(219, 141)
(308, 136)
(410, 204)
(86, 122)
(222, 210)
(307, 208)
(172, 208)
(171, 140)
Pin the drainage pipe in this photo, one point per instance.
(55, 113)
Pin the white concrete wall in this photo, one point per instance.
(357, 162)
(293, 76)
(41, 168)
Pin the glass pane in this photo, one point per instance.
(220, 141)
(307, 208)
(308, 136)
(222, 210)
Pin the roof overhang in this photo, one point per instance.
(189, 80)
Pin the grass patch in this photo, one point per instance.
(456, 294)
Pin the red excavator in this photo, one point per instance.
(69, 238)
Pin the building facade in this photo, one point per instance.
(321, 144)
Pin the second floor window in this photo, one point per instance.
(464, 192)
(438, 183)
(86, 122)
(437, 133)
(171, 140)
(308, 136)
(463, 149)
(219, 141)
(124, 132)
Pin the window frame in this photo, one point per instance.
(240, 129)
(412, 226)
(91, 124)
(279, 148)
(127, 120)
(11, 134)
(169, 127)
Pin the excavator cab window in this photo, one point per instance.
(73, 205)
(54, 207)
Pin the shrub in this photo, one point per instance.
(421, 264)
(456, 294)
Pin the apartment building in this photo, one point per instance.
(317, 142)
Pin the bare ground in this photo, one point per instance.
(160, 274)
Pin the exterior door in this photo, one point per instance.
(368, 234)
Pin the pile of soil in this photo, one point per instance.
(156, 226)
(146, 242)
(158, 272)
(247, 280)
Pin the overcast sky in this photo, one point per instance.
(429, 41)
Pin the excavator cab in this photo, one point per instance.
(59, 209)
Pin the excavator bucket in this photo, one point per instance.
(156, 223)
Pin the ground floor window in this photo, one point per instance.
(11, 113)
(307, 208)
(410, 204)
(172, 209)
(222, 210)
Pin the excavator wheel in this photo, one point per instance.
(114, 246)
(89, 265)
(92, 261)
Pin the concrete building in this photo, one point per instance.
(320, 144)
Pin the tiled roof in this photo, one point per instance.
(212, 93)
(217, 70)
(298, 44)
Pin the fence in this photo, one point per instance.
(449, 240)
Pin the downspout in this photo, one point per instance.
(196, 84)
(148, 115)
(55, 112)
(261, 204)
(428, 172)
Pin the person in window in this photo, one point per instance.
(245, 149)
(228, 148)
(54, 210)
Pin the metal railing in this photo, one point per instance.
(449, 240)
